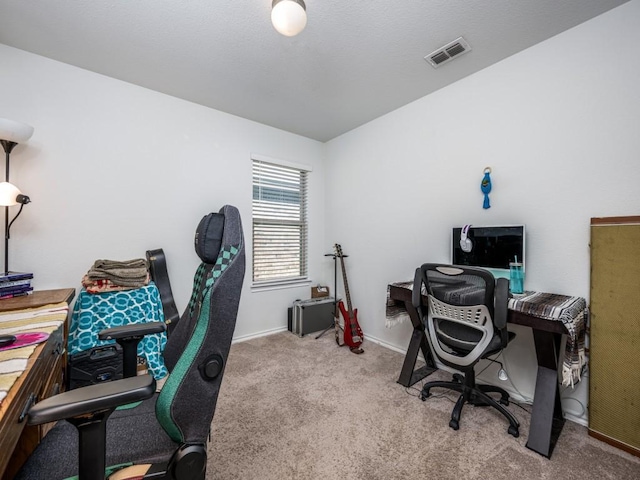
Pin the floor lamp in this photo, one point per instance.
(11, 134)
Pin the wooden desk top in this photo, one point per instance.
(37, 299)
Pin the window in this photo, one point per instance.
(279, 222)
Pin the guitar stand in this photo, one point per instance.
(336, 324)
(335, 299)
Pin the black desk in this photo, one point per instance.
(546, 417)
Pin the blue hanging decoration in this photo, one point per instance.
(485, 186)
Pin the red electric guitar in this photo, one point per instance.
(352, 333)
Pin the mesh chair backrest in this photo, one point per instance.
(187, 402)
(464, 296)
(460, 286)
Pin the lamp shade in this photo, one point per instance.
(13, 131)
(8, 194)
(289, 17)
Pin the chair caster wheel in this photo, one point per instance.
(513, 431)
(454, 424)
(424, 396)
(504, 401)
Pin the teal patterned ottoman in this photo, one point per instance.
(94, 312)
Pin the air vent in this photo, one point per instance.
(448, 52)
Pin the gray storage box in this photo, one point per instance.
(306, 316)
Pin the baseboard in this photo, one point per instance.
(264, 333)
(384, 344)
(584, 421)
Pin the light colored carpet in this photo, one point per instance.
(300, 408)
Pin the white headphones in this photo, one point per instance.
(465, 243)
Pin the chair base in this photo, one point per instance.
(476, 395)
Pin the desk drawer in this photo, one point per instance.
(46, 370)
(53, 386)
(53, 364)
(24, 392)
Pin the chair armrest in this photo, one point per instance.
(86, 400)
(501, 304)
(132, 330)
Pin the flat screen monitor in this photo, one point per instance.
(490, 247)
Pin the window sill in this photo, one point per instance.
(280, 285)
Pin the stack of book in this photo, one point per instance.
(15, 284)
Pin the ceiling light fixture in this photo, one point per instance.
(289, 17)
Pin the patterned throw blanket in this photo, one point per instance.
(395, 312)
(571, 311)
(13, 361)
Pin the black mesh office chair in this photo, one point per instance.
(169, 430)
(465, 322)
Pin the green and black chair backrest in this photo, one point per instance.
(197, 349)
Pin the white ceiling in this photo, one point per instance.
(356, 60)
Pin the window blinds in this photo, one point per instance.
(279, 223)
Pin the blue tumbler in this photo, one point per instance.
(516, 278)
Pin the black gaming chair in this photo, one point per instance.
(168, 431)
(465, 322)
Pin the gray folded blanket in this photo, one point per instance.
(128, 273)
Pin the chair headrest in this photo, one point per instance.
(208, 237)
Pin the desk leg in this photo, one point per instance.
(546, 418)
(409, 376)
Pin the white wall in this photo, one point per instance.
(558, 125)
(114, 169)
